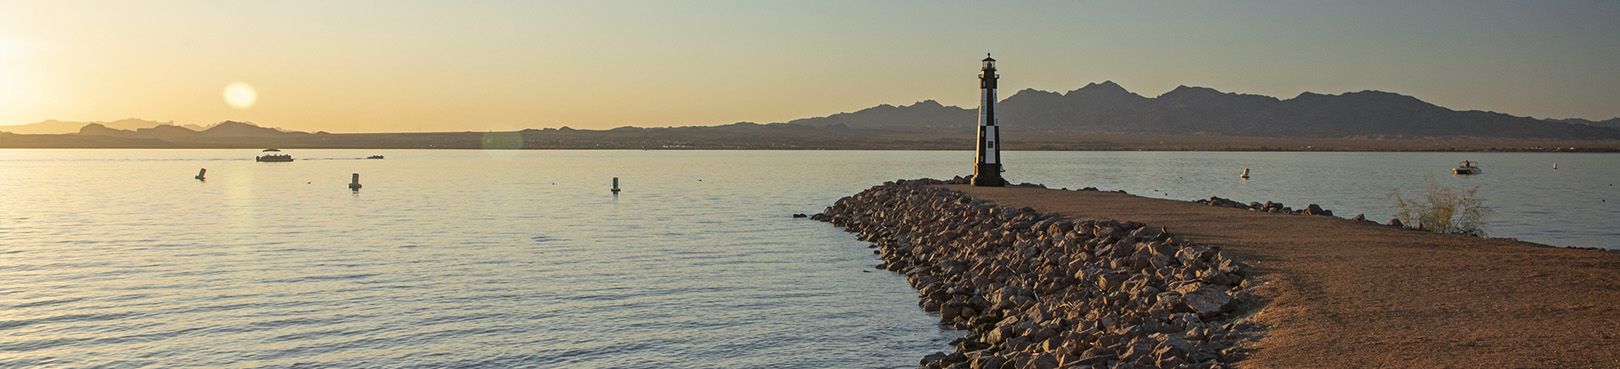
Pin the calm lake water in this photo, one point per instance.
(118, 258)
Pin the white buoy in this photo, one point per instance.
(1245, 173)
(200, 174)
(354, 182)
(615, 184)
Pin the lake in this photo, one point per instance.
(504, 258)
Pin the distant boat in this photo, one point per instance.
(374, 157)
(1466, 167)
(274, 158)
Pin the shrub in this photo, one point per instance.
(1443, 209)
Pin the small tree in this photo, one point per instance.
(1443, 209)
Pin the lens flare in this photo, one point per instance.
(239, 95)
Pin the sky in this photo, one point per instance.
(408, 66)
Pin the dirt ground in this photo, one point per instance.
(1338, 293)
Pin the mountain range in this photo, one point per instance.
(226, 129)
(1611, 123)
(1099, 116)
(52, 127)
(231, 134)
(1109, 108)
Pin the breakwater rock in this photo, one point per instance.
(1269, 207)
(1044, 291)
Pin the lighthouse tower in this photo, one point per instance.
(987, 163)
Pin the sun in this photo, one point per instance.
(239, 95)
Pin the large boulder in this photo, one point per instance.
(1313, 209)
(950, 311)
(1207, 302)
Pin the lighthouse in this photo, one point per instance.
(987, 163)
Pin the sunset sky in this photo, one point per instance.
(405, 66)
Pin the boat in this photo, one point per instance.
(374, 157)
(1466, 167)
(274, 158)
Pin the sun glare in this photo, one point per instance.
(11, 54)
(239, 95)
(9, 87)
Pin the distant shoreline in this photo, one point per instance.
(771, 137)
(1411, 150)
(1188, 144)
(775, 136)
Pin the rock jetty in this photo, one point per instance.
(1044, 291)
(1269, 207)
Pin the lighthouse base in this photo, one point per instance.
(988, 175)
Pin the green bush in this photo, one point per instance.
(1443, 209)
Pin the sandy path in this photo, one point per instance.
(1345, 294)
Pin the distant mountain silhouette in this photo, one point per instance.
(1108, 107)
(223, 134)
(1099, 116)
(1611, 123)
(167, 132)
(97, 129)
(921, 116)
(241, 129)
(243, 135)
(51, 127)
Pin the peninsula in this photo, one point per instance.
(1299, 290)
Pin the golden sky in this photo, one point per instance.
(404, 66)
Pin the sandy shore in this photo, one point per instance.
(1343, 294)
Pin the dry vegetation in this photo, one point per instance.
(1443, 209)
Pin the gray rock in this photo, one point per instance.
(999, 335)
(1313, 209)
(1042, 361)
(1190, 321)
(950, 311)
(1207, 302)
(1216, 277)
(1019, 343)
(1170, 362)
(1172, 340)
(1111, 281)
(1166, 303)
(1229, 266)
(1042, 334)
(1185, 287)
(1097, 355)
(1161, 261)
(989, 362)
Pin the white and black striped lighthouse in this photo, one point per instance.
(987, 163)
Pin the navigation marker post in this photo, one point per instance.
(987, 162)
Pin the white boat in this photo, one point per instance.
(274, 158)
(1466, 167)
